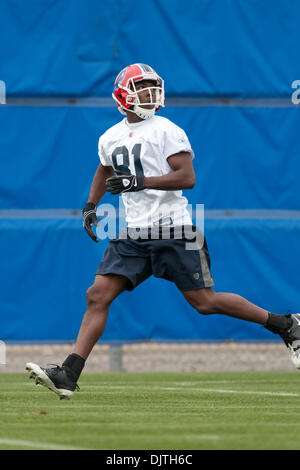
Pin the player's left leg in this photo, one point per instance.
(206, 301)
(189, 269)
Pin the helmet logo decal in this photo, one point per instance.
(146, 68)
(120, 78)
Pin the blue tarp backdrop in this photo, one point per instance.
(247, 156)
(208, 48)
(50, 263)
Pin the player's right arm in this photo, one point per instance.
(98, 188)
(97, 191)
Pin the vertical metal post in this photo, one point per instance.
(115, 358)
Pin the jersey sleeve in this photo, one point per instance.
(175, 141)
(104, 158)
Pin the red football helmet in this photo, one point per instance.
(126, 95)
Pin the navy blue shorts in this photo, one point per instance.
(137, 259)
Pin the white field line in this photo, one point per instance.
(40, 445)
(212, 437)
(246, 392)
(184, 387)
(190, 389)
(111, 389)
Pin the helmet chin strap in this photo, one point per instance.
(143, 113)
(140, 112)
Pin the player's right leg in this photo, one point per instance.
(63, 380)
(99, 298)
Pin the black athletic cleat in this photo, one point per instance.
(291, 337)
(57, 379)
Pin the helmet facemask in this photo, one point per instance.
(145, 110)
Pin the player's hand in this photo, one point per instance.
(124, 183)
(89, 218)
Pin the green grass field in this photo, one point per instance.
(239, 410)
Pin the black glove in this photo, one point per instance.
(89, 218)
(124, 183)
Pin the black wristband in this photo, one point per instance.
(89, 206)
(140, 182)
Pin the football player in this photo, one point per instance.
(149, 161)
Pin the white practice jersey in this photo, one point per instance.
(143, 148)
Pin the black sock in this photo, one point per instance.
(75, 363)
(278, 323)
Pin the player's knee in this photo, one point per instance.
(208, 305)
(204, 309)
(204, 304)
(97, 298)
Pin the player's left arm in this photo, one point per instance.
(182, 176)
